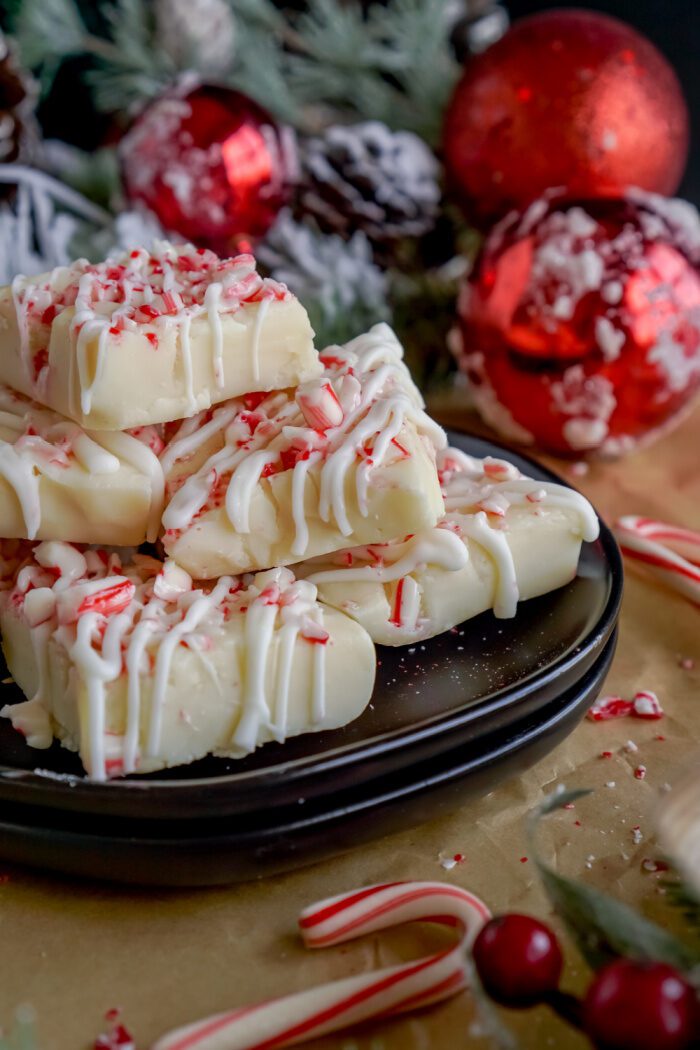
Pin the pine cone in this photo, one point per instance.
(367, 177)
(19, 133)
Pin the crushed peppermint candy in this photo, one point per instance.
(645, 704)
(448, 863)
(118, 1037)
(640, 772)
(637, 834)
(654, 865)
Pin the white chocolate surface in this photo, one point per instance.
(136, 682)
(504, 538)
(148, 338)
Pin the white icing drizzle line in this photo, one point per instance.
(256, 331)
(495, 543)
(113, 625)
(437, 547)
(301, 527)
(20, 473)
(299, 613)
(141, 458)
(212, 300)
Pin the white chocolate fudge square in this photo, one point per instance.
(345, 459)
(58, 481)
(149, 337)
(504, 538)
(137, 670)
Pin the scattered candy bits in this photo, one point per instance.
(645, 704)
(118, 1037)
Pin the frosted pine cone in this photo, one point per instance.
(367, 177)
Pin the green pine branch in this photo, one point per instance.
(391, 63)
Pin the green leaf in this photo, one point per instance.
(603, 927)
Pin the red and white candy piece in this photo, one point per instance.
(319, 404)
(171, 582)
(652, 543)
(384, 993)
(645, 704)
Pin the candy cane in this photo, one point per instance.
(383, 993)
(650, 543)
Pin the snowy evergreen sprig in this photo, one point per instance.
(342, 288)
(390, 62)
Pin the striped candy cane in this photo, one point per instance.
(651, 543)
(383, 993)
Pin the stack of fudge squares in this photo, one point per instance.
(208, 524)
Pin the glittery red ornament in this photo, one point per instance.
(580, 325)
(571, 99)
(211, 164)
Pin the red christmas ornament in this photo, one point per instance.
(211, 164)
(633, 1005)
(580, 325)
(518, 959)
(571, 99)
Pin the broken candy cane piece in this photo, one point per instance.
(108, 596)
(608, 707)
(646, 705)
(320, 405)
(331, 1007)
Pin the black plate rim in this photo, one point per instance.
(349, 754)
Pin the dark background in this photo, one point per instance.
(674, 26)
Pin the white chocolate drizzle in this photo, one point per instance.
(350, 419)
(478, 495)
(113, 625)
(41, 442)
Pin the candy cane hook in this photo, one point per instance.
(396, 989)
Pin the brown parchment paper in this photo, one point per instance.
(74, 950)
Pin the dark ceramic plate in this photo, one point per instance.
(207, 853)
(453, 691)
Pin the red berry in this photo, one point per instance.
(634, 1005)
(518, 959)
